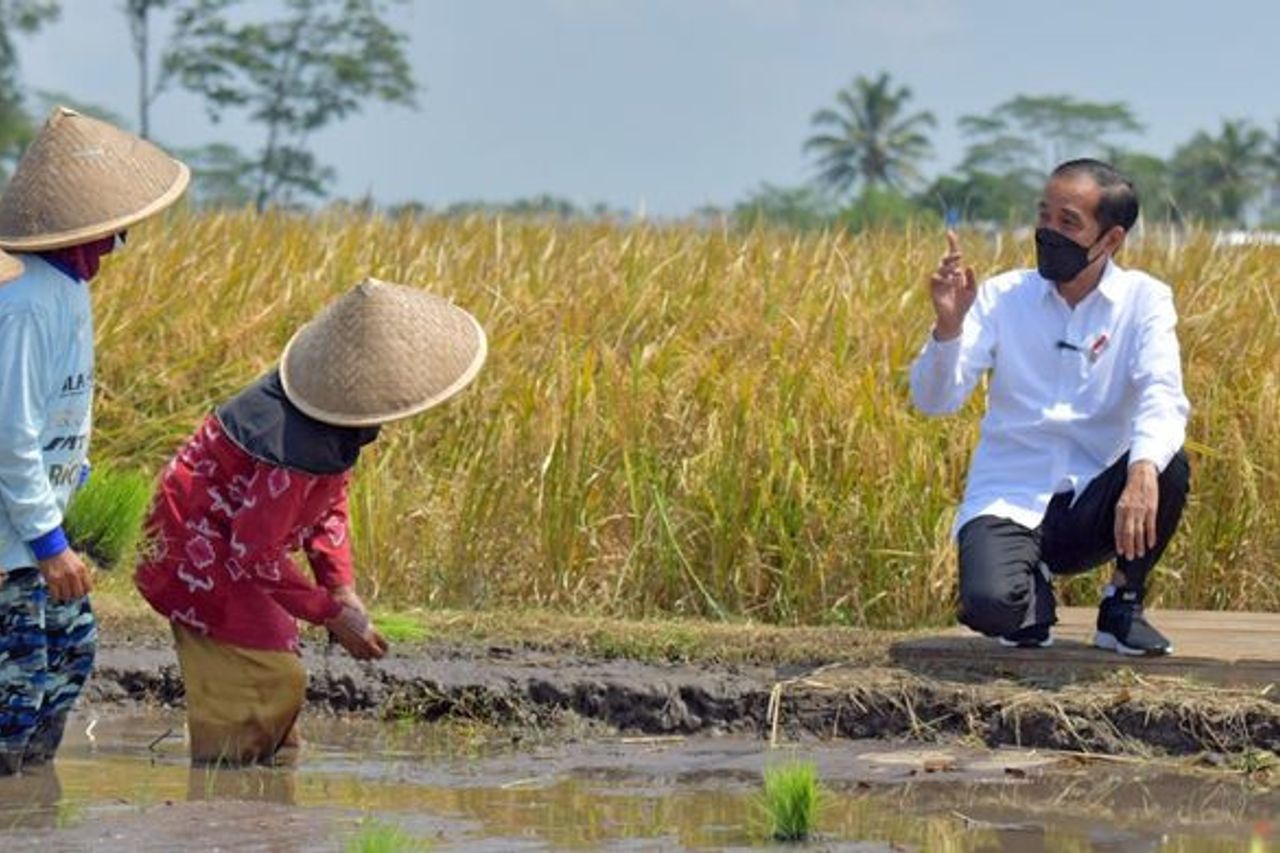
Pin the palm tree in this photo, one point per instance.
(866, 139)
(1273, 179)
(1217, 177)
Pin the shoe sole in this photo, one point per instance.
(1010, 644)
(1109, 642)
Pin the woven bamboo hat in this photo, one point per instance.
(381, 352)
(82, 179)
(10, 268)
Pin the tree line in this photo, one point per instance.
(314, 64)
(868, 147)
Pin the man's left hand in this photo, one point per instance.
(1136, 511)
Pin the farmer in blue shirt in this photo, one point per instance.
(79, 186)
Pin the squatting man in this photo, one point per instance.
(1080, 458)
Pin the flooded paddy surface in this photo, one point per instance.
(123, 782)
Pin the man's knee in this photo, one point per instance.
(995, 583)
(994, 612)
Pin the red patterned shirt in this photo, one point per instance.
(220, 534)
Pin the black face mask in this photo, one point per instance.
(367, 435)
(1059, 258)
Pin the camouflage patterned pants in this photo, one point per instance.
(46, 655)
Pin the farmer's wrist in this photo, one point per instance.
(49, 545)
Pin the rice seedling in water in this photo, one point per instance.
(105, 517)
(376, 837)
(791, 800)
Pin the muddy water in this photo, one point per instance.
(124, 784)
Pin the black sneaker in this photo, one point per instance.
(1122, 627)
(1031, 637)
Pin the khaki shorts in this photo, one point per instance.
(242, 704)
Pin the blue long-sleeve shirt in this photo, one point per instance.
(46, 396)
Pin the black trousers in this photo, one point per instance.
(1003, 565)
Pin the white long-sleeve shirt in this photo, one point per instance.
(46, 392)
(1070, 390)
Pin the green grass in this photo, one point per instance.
(400, 627)
(673, 422)
(376, 837)
(104, 518)
(791, 800)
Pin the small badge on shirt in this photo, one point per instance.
(1098, 346)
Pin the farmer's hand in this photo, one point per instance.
(953, 290)
(353, 630)
(67, 576)
(1136, 511)
(347, 595)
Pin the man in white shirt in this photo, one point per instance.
(1080, 458)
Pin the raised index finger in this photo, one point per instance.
(953, 243)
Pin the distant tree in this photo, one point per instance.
(1273, 154)
(866, 140)
(221, 175)
(1216, 177)
(1153, 179)
(544, 206)
(1012, 149)
(881, 207)
(1028, 135)
(977, 196)
(316, 65)
(800, 208)
(1271, 212)
(407, 210)
(16, 128)
(138, 14)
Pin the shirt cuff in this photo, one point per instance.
(1151, 451)
(949, 343)
(50, 544)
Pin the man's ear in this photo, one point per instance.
(1114, 239)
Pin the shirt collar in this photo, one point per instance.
(1112, 282)
(1110, 285)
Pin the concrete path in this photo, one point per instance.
(1239, 649)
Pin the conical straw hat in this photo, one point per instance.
(381, 352)
(82, 179)
(10, 268)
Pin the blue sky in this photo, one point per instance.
(666, 105)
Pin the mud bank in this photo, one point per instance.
(1130, 715)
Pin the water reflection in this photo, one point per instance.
(259, 784)
(462, 786)
(32, 800)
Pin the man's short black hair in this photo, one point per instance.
(1118, 203)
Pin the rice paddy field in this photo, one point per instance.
(673, 421)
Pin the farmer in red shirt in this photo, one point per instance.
(266, 475)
